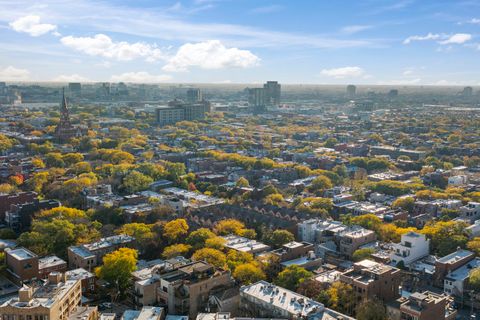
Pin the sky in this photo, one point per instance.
(397, 42)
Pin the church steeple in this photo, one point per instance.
(64, 113)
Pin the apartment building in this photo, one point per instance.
(57, 299)
(22, 265)
(297, 253)
(87, 279)
(412, 247)
(186, 290)
(243, 244)
(49, 264)
(353, 238)
(422, 306)
(265, 300)
(371, 279)
(470, 212)
(146, 313)
(88, 256)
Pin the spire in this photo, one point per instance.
(63, 107)
(64, 113)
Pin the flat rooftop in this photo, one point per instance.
(21, 254)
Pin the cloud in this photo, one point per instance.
(443, 39)
(105, 17)
(344, 72)
(458, 38)
(211, 54)
(71, 78)
(429, 36)
(31, 25)
(103, 46)
(354, 29)
(11, 73)
(267, 9)
(140, 77)
(474, 21)
(397, 82)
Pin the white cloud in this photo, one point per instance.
(140, 77)
(458, 38)
(344, 72)
(31, 25)
(407, 82)
(11, 73)
(354, 29)
(103, 46)
(474, 21)
(443, 39)
(211, 54)
(71, 78)
(429, 36)
(267, 9)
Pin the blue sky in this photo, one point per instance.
(242, 41)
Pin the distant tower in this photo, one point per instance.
(75, 88)
(65, 130)
(351, 91)
(273, 91)
(256, 99)
(467, 92)
(393, 93)
(194, 95)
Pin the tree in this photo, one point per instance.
(340, 297)
(236, 258)
(215, 243)
(474, 245)
(446, 236)
(292, 276)
(371, 310)
(66, 213)
(198, 237)
(368, 221)
(7, 233)
(242, 183)
(176, 250)
(405, 203)
(274, 199)
(362, 254)
(213, 256)
(320, 183)
(175, 229)
(474, 279)
(136, 181)
(248, 273)
(279, 237)
(229, 226)
(117, 268)
(140, 231)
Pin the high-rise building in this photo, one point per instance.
(256, 99)
(351, 91)
(178, 111)
(194, 95)
(272, 93)
(467, 92)
(393, 93)
(75, 88)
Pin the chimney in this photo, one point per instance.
(56, 277)
(25, 294)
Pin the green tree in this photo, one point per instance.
(292, 276)
(405, 203)
(136, 181)
(279, 237)
(320, 183)
(371, 310)
(117, 268)
(474, 279)
(361, 254)
(236, 258)
(198, 237)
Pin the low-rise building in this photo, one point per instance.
(370, 279)
(87, 279)
(265, 300)
(243, 244)
(49, 264)
(146, 313)
(412, 247)
(57, 299)
(22, 265)
(422, 306)
(90, 255)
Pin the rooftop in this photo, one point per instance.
(21, 254)
(455, 256)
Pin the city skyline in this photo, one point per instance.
(401, 42)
